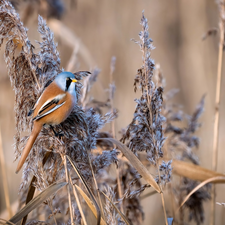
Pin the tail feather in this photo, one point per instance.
(36, 130)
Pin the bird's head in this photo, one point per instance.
(66, 81)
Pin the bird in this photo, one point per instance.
(52, 108)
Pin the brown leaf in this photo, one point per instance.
(136, 163)
(218, 179)
(194, 172)
(37, 201)
(90, 204)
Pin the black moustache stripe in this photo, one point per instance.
(68, 82)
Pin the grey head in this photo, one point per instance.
(66, 81)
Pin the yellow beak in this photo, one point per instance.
(74, 80)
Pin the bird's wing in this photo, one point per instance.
(32, 110)
(50, 106)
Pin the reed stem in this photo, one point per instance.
(4, 179)
(78, 201)
(217, 105)
(68, 188)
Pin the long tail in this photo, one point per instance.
(36, 130)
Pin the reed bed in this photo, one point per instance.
(92, 175)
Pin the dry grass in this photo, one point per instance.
(157, 150)
(217, 103)
(4, 179)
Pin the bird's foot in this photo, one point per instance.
(57, 134)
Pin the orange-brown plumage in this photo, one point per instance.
(59, 114)
(53, 107)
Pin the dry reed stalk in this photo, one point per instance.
(217, 104)
(73, 59)
(172, 199)
(148, 89)
(162, 195)
(78, 201)
(14, 207)
(166, 155)
(3, 221)
(95, 207)
(115, 207)
(181, 211)
(96, 186)
(148, 195)
(68, 187)
(111, 93)
(72, 40)
(91, 205)
(4, 179)
(111, 97)
(149, 100)
(164, 208)
(120, 193)
(219, 178)
(136, 163)
(38, 200)
(51, 208)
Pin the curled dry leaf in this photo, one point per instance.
(37, 201)
(219, 179)
(194, 172)
(136, 163)
(90, 204)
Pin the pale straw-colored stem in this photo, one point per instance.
(78, 201)
(120, 192)
(217, 104)
(68, 188)
(218, 92)
(96, 186)
(4, 179)
(164, 208)
(112, 68)
(161, 193)
(73, 58)
(69, 37)
(51, 208)
(151, 131)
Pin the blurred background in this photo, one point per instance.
(97, 30)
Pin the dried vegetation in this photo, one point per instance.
(159, 138)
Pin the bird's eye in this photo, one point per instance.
(68, 82)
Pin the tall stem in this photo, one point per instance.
(68, 188)
(96, 186)
(217, 104)
(78, 201)
(4, 179)
(149, 100)
(161, 193)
